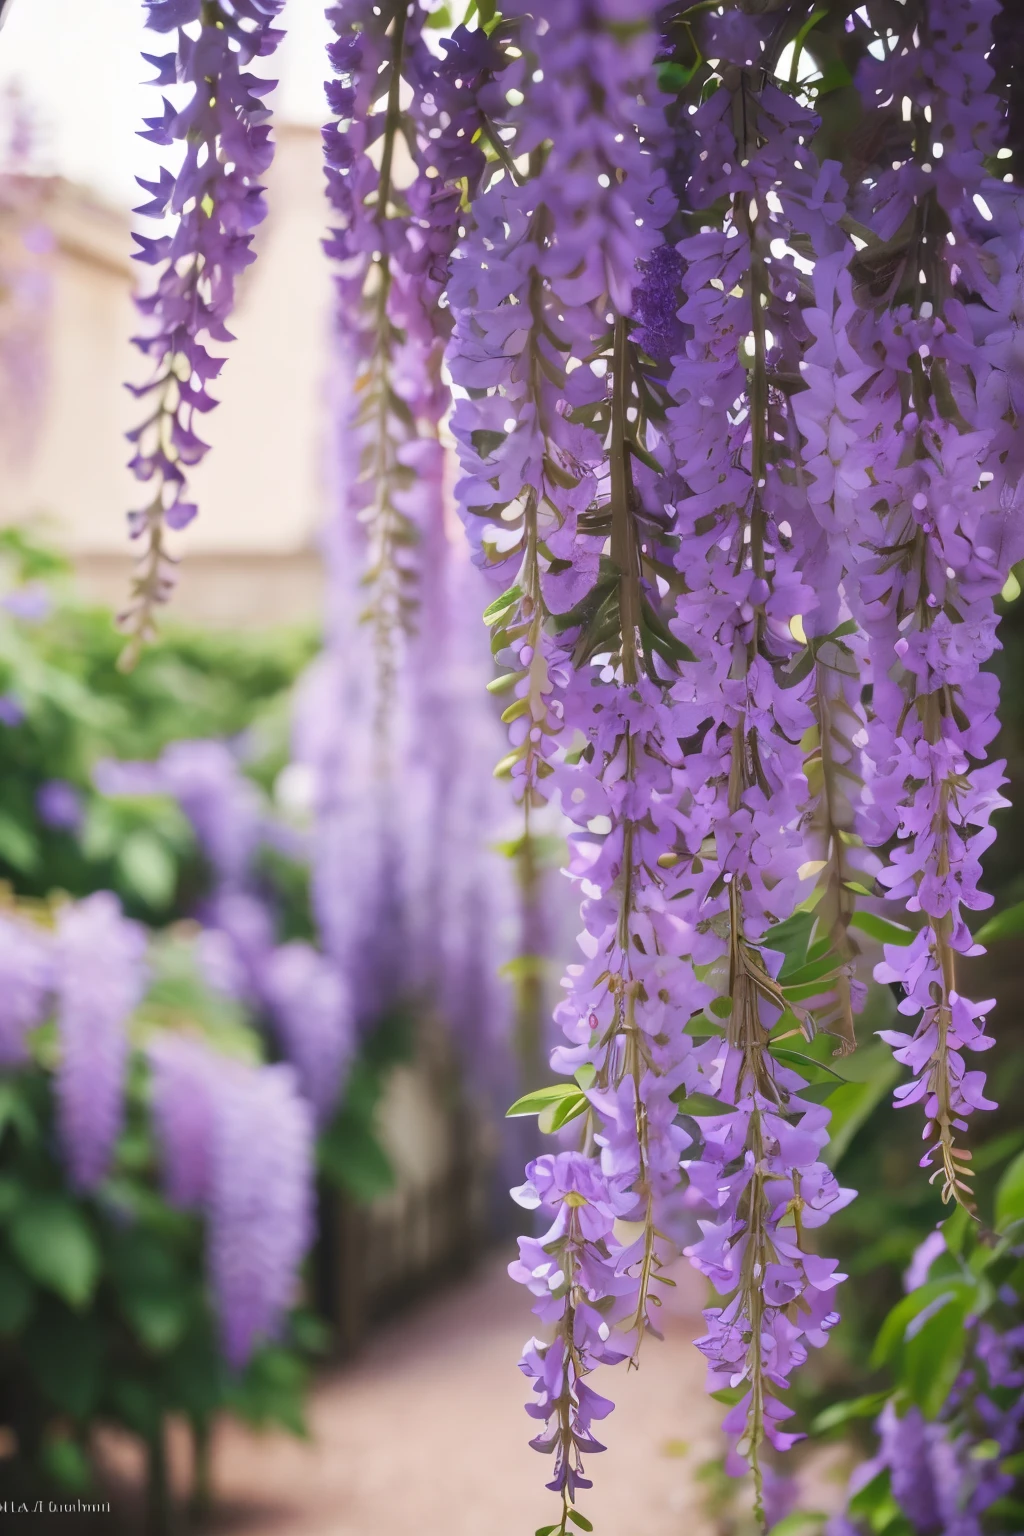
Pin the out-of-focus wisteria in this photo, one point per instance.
(214, 1116)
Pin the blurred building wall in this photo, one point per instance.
(250, 558)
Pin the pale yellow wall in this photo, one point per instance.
(260, 491)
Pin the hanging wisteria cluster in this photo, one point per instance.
(721, 306)
(216, 200)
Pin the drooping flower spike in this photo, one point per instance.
(236, 1142)
(744, 798)
(216, 202)
(100, 974)
(937, 415)
(401, 136)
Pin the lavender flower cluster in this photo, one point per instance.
(216, 201)
(236, 1141)
(300, 992)
(758, 494)
(237, 1144)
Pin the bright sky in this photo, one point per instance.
(77, 62)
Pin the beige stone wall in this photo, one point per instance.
(250, 557)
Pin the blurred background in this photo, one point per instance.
(187, 1340)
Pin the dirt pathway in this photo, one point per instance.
(425, 1435)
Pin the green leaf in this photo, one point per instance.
(16, 1298)
(933, 1358)
(700, 1104)
(791, 939)
(852, 1104)
(673, 78)
(807, 1066)
(923, 1339)
(494, 611)
(545, 1530)
(16, 1110)
(580, 1520)
(856, 1408)
(821, 1093)
(350, 1154)
(882, 929)
(956, 1228)
(503, 683)
(556, 1115)
(729, 1396)
(154, 1293)
(817, 971)
(1008, 924)
(1010, 1194)
(17, 845)
(56, 1246)
(541, 1099)
(148, 867)
(273, 1390)
(64, 1460)
(798, 1522)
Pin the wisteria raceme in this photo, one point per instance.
(312, 1017)
(183, 1074)
(99, 960)
(26, 985)
(356, 806)
(743, 795)
(237, 1142)
(574, 1271)
(543, 293)
(391, 245)
(260, 1203)
(938, 416)
(217, 202)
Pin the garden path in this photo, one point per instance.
(424, 1434)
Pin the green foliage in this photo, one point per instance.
(926, 1340)
(349, 1151)
(78, 709)
(1008, 924)
(104, 1311)
(53, 1241)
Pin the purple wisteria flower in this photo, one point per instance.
(26, 986)
(575, 1271)
(12, 711)
(543, 291)
(31, 603)
(59, 805)
(930, 408)
(391, 241)
(216, 200)
(99, 961)
(237, 1142)
(312, 1016)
